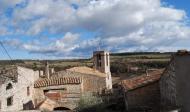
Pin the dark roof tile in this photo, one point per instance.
(135, 82)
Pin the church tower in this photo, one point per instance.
(102, 64)
(47, 70)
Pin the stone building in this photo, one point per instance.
(175, 89)
(49, 90)
(64, 88)
(142, 93)
(57, 92)
(16, 90)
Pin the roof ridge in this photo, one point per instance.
(57, 81)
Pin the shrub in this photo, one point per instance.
(87, 100)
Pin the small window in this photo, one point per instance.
(99, 60)
(107, 59)
(28, 91)
(99, 56)
(0, 104)
(9, 86)
(9, 101)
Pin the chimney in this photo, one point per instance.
(147, 72)
(47, 70)
(51, 71)
(41, 73)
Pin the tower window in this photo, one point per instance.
(99, 56)
(107, 59)
(99, 60)
(9, 86)
(10, 101)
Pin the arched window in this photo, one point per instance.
(9, 86)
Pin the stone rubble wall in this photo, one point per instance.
(61, 96)
(147, 96)
(168, 86)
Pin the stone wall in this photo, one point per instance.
(175, 88)
(147, 96)
(58, 96)
(26, 78)
(68, 94)
(168, 87)
(91, 83)
(182, 71)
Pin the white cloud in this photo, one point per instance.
(116, 18)
(4, 4)
(122, 25)
(60, 47)
(50, 14)
(70, 38)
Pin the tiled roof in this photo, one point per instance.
(54, 81)
(87, 70)
(142, 80)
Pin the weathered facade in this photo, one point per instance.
(142, 93)
(18, 94)
(175, 88)
(57, 92)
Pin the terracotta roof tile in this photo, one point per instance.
(135, 82)
(57, 81)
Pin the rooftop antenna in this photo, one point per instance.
(99, 45)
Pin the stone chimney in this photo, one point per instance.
(41, 73)
(47, 70)
(147, 72)
(51, 71)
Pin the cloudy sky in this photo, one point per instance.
(54, 29)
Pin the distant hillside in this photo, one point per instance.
(140, 53)
(135, 63)
(121, 63)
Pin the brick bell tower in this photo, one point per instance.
(102, 64)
